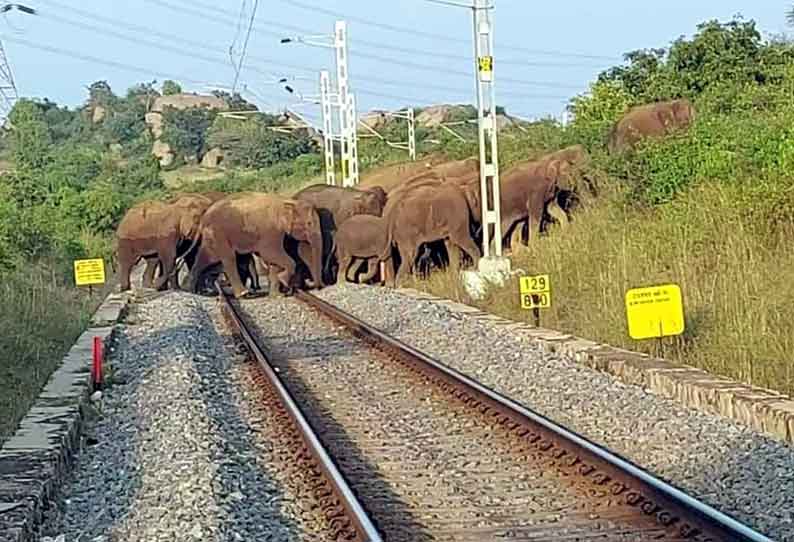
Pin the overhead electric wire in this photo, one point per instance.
(90, 58)
(389, 47)
(245, 45)
(440, 37)
(228, 21)
(271, 74)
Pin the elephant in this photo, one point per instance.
(427, 214)
(471, 191)
(361, 237)
(649, 120)
(258, 223)
(156, 230)
(335, 205)
(153, 264)
(527, 191)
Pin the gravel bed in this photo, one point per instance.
(423, 466)
(183, 449)
(735, 469)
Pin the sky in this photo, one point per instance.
(402, 52)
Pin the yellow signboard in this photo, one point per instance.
(655, 311)
(485, 67)
(89, 272)
(535, 292)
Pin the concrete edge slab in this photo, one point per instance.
(760, 409)
(36, 459)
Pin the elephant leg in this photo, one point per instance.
(229, 262)
(408, 254)
(272, 277)
(254, 274)
(127, 259)
(453, 254)
(148, 273)
(372, 270)
(516, 238)
(465, 243)
(282, 260)
(168, 261)
(344, 264)
(558, 214)
(305, 253)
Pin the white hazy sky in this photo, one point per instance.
(402, 52)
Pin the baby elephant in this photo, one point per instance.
(361, 237)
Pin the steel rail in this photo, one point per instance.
(692, 519)
(361, 521)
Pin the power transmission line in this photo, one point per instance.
(440, 37)
(60, 51)
(389, 47)
(245, 45)
(218, 60)
(228, 21)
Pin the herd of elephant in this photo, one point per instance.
(322, 233)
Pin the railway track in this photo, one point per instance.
(405, 448)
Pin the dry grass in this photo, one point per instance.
(40, 320)
(735, 280)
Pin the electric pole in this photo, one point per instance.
(328, 126)
(8, 88)
(487, 129)
(343, 100)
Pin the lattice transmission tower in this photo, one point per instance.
(8, 88)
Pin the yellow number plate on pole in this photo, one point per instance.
(89, 272)
(655, 311)
(535, 292)
(485, 67)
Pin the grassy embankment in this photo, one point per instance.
(40, 318)
(711, 210)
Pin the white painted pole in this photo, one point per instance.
(487, 128)
(411, 134)
(328, 127)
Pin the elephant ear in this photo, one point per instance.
(286, 219)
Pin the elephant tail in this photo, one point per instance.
(180, 259)
(386, 254)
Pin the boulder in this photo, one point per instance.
(162, 151)
(188, 100)
(98, 114)
(213, 158)
(155, 123)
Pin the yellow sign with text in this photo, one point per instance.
(655, 311)
(485, 67)
(89, 272)
(535, 292)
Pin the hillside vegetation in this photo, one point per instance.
(711, 208)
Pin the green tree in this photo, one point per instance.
(185, 130)
(252, 144)
(30, 139)
(171, 87)
(235, 102)
(100, 93)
